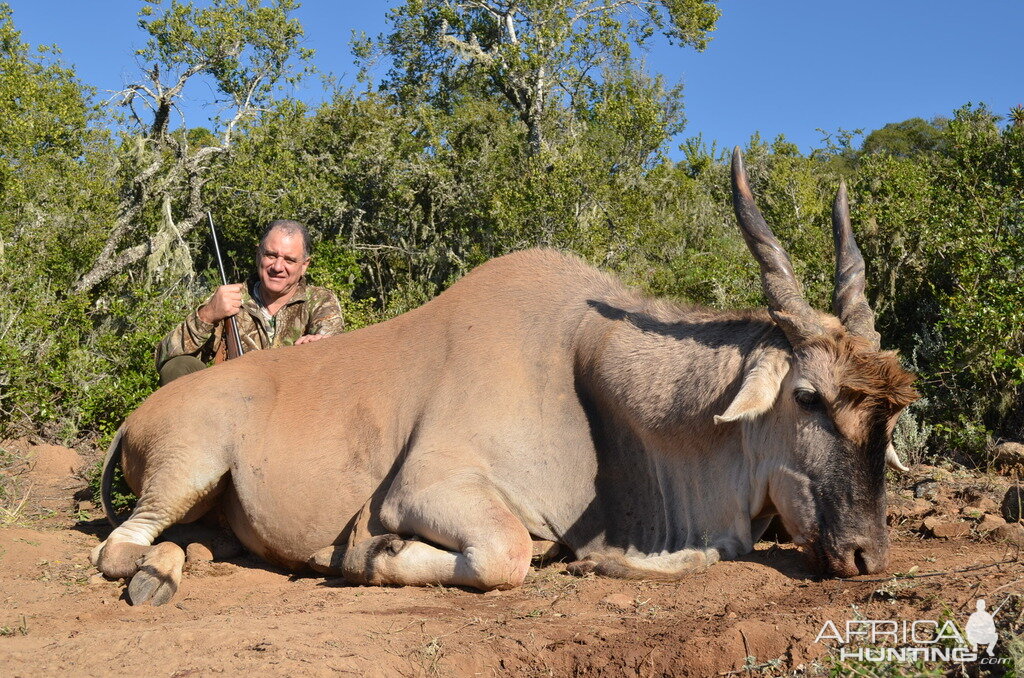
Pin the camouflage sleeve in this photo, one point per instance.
(191, 337)
(326, 317)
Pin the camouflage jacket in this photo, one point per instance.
(312, 310)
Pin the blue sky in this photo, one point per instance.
(787, 67)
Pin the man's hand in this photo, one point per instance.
(225, 302)
(308, 338)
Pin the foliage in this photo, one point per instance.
(43, 107)
(73, 371)
(54, 186)
(244, 47)
(906, 139)
(538, 57)
(13, 494)
(910, 437)
(122, 499)
(247, 50)
(1017, 115)
(452, 162)
(853, 668)
(945, 240)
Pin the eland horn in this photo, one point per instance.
(849, 302)
(892, 460)
(786, 301)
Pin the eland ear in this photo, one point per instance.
(760, 388)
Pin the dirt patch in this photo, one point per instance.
(759, 615)
(39, 483)
(53, 461)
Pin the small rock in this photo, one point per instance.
(197, 552)
(1008, 456)
(972, 512)
(933, 473)
(619, 601)
(901, 509)
(493, 593)
(985, 504)
(86, 506)
(923, 506)
(951, 530)
(1013, 504)
(943, 530)
(97, 580)
(926, 489)
(1012, 533)
(990, 522)
(971, 493)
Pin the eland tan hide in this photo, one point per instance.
(537, 398)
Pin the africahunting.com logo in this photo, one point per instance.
(892, 640)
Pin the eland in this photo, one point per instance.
(535, 399)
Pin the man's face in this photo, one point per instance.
(282, 263)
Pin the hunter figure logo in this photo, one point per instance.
(877, 640)
(981, 628)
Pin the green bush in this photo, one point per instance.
(122, 499)
(944, 237)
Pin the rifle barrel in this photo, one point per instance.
(234, 339)
(216, 248)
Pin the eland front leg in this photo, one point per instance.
(457, 532)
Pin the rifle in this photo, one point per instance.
(233, 341)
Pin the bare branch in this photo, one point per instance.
(475, 4)
(104, 268)
(604, 8)
(245, 109)
(510, 27)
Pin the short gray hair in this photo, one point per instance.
(290, 227)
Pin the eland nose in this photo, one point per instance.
(865, 559)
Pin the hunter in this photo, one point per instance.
(275, 308)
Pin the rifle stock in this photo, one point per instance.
(232, 339)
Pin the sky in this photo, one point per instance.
(784, 67)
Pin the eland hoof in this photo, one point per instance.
(329, 561)
(158, 577)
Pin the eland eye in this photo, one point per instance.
(808, 399)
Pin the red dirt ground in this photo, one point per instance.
(756, 616)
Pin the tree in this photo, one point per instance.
(529, 52)
(43, 107)
(45, 118)
(51, 172)
(246, 49)
(54, 185)
(908, 138)
(1017, 115)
